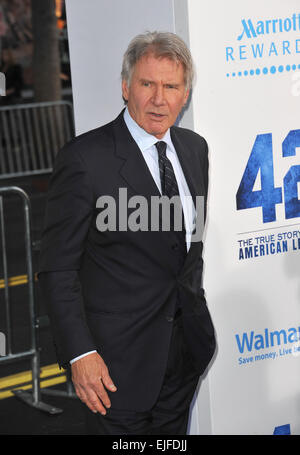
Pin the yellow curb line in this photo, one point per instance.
(16, 280)
(23, 380)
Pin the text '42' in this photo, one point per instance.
(261, 159)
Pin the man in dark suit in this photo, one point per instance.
(125, 301)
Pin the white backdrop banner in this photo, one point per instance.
(246, 103)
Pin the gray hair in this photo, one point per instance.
(161, 44)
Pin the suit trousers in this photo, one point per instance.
(170, 413)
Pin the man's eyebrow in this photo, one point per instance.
(175, 84)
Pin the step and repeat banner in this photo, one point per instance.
(246, 103)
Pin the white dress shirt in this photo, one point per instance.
(146, 143)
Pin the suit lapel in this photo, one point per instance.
(134, 170)
(193, 177)
(187, 161)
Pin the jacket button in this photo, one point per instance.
(175, 246)
(169, 318)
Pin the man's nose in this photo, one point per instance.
(158, 95)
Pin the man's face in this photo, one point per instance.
(156, 93)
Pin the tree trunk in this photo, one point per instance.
(46, 61)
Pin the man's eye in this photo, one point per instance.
(146, 84)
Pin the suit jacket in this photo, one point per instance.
(118, 289)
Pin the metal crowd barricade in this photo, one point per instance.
(33, 352)
(33, 399)
(31, 135)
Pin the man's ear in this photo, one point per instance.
(125, 90)
(186, 97)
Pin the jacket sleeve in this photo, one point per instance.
(60, 291)
(69, 209)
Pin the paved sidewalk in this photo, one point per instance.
(17, 418)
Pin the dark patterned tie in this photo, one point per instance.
(169, 188)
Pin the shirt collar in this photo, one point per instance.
(143, 139)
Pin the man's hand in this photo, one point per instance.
(90, 378)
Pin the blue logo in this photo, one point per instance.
(257, 190)
(252, 50)
(268, 345)
(268, 339)
(270, 26)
